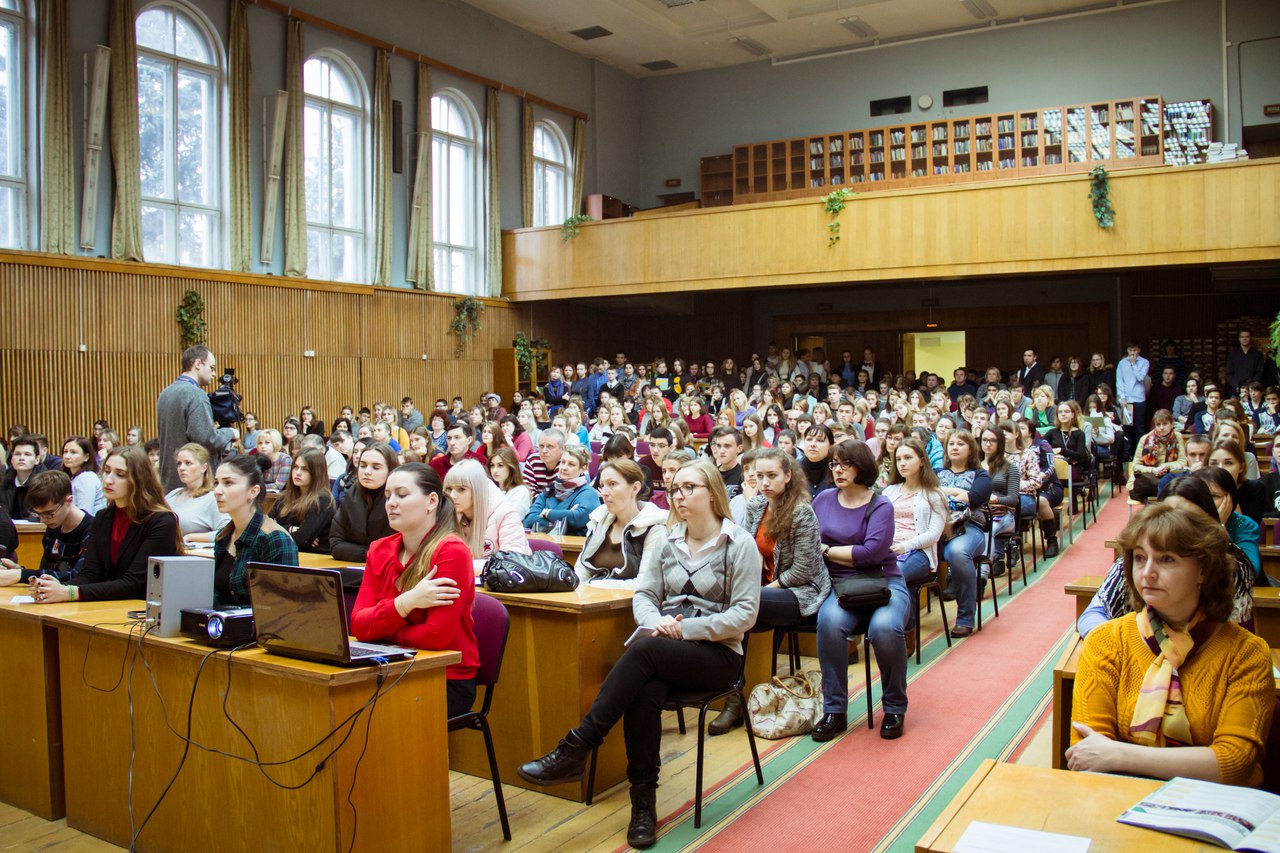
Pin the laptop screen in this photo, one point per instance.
(298, 611)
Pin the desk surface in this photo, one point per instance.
(1080, 804)
(44, 612)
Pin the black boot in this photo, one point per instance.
(997, 565)
(643, 830)
(728, 719)
(566, 763)
(1049, 530)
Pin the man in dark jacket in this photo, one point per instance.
(1244, 365)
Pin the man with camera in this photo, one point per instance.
(184, 414)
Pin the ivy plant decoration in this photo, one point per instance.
(190, 317)
(571, 229)
(466, 322)
(1100, 194)
(834, 203)
(1275, 338)
(525, 348)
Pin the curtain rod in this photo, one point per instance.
(356, 35)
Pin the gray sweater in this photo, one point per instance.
(716, 591)
(183, 414)
(797, 558)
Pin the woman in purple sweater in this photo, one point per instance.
(857, 535)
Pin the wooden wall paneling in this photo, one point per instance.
(1169, 217)
(28, 377)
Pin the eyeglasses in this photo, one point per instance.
(989, 439)
(48, 514)
(837, 465)
(686, 490)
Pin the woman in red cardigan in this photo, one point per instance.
(418, 584)
(700, 423)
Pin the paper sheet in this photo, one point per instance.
(22, 599)
(642, 631)
(993, 838)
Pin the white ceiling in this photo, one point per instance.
(701, 34)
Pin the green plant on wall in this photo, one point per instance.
(190, 317)
(570, 228)
(1275, 339)
(466, 322)
(834, 204)
(525, 350)
(1100, 196)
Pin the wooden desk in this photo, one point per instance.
(1083, 589)
(560, 648)
(30, 547)
(31, 737)
(1081, 804)
(1270, 559)
(400, 795)
(1266, 614)
(570, 545)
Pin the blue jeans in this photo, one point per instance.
(915, 567)
(883, 628)
(1000, 526)
(961, 553)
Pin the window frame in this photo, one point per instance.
(219, 247)
(476, 202)
(22, 179)
(541, 165)
(356, 81)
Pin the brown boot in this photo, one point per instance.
(728, 719)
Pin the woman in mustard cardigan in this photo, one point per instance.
(1175, 672)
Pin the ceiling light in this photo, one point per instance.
(589, 33)
(973, 10)
(659, 65)
(987, 8)
(749, 44)
(858, 27)
(671, 4)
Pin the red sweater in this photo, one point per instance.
(374, 619)
(701, 426)
(441, 463)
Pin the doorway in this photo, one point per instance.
(936, 352)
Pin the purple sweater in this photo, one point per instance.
(871, 542)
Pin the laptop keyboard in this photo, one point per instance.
(358, 650)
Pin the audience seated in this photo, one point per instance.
(621, 529)
(306, 507)
(483, 517)
(361, 516)
(195, 504)
(249, 536)
(1177, 672)
(271, 448)
(566, 503)
(81, 464)
(66, 532)
(24, 452)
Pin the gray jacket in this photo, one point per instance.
(717, 592)
(639, 534)
(183, 414)
(797, 558)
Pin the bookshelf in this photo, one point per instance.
(1117, 134)
(1188, 130)
(715, 180)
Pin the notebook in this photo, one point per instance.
(302, 613)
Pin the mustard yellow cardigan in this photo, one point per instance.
(1227, 690)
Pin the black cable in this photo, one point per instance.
(133, 624)
(383, 669)
(186, 740)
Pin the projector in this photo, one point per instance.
(219, 628)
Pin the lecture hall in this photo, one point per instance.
(589, 425)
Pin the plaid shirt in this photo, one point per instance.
(252, 546)
(279, 476)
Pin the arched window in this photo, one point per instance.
(180, 87)
(550, 175)
(455, 193)
(13, 183)
(334, 141)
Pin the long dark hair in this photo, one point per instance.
(297, 502)
(90, 454)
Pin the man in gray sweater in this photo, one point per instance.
(184, 415)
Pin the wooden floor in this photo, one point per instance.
(539, 822)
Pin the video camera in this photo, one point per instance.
(225, 401)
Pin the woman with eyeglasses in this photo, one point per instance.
(1243, 531)
(699, 592)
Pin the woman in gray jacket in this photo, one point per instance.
(794, 578)
(699, 593)
(621, 529)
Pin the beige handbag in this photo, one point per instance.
(788, 705)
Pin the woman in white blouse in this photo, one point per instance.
(194, 503)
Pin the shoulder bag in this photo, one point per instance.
(862, 591)
(541, 571)
(786, 706)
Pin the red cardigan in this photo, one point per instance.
(701, 426)
(374, 619)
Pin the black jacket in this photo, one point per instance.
(1074, 388)
(310, 531)
(356, 524)
(8, 536)
(13, 498)
(104, 579)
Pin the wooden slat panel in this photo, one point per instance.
(368, 344)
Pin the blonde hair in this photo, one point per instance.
(201, 454)
(715, 485)
(471, 474)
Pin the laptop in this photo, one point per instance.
(302, 613)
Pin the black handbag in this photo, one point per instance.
(861, 592)
(541, 571)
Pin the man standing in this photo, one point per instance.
(961, 385)
(1163, 395)
(183, 414)
(1131, 390)
(1032, 374)
(1245, 364)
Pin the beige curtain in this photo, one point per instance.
(420, 265)
(295, 191)
(579, 165)
(493, 193)
(240, 80)
(526, 164)
(126, 220)
(57, 187)
(382, 212)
